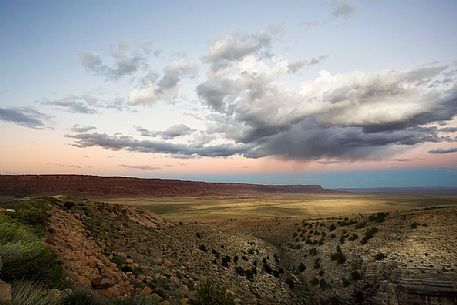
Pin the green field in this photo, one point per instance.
(282, 205)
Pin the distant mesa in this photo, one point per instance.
(26, 185)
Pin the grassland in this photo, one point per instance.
(208, 209)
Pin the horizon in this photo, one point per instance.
(335, 92)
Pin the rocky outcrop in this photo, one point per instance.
(21, 185)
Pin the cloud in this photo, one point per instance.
(296, 65)
(141, 167)
(341, 9)
(448, 129)
(169, 133)
(84, 103)
(234, 47)
(165, 88)
(128, 143)
(443, 151)
(77, 128)
(24, 116)
(125, 63)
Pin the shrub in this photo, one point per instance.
(81, 297)
(369, 235)
(203, 248)
(33, 212)
(25, 256)
(136, 300)
(314, 281)
(379, 256)
(301, 267)
(26, 293)
(332, 227)
(212, 294)
(323, 284)
(355, 275)
(413, 225)
(378, 217)
(339, 257)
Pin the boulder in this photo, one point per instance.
(5, 292)
(102, 283)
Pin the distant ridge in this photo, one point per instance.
(26, 185)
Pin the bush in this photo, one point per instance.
(332, 227)
(379, 256)
(33, 213)
(31, 261)
(25, 256)
(339, 257)
(369, 235)
(212, 294)
(136, 300)
(414, 225)
(81, 297)
(26, 293)
(355, 275)
(378, 217)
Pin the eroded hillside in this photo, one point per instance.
(401, 257)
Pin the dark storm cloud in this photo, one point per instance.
(443, 151)
(24, 116)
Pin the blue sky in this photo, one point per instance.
(358, 92)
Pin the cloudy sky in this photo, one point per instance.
(343, 93)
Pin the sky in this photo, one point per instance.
(340, 93)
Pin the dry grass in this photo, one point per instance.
(281, 205)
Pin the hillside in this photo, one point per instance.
(379, 259)
(24, 185)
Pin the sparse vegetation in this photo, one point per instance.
(379, 256)
(339, 257)
(369, 235)
(212, 294)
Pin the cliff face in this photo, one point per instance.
(20, 185)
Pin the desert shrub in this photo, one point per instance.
(360, 225)
(369, 235)
(24, 255)
(317, 263)
(67, 205)
(313, 251)
(212, 294)
(239, 270)
(26, 293)
(203, 248)
(413, 225)
(339, 257)
(323, 284)
(81, 297)
(332, 227)
(379, 256)
(301, 267)
(353, 237)
(226, 261)
(378, 217)
(29, 260)
(345, 282)
(290, 283)
(32, 212)
(355, 275)
(119, 260)
(136, 300)
(314, 281)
